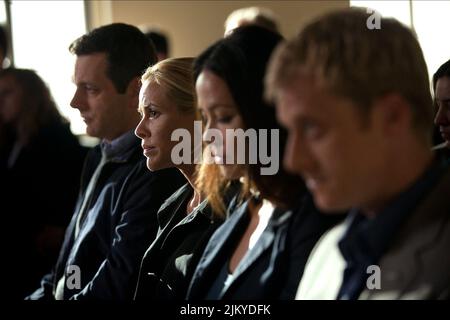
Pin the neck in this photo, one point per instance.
(189, 173)
(403, 172)
(127, 125)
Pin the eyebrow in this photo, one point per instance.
(219, 105)
(141, 107)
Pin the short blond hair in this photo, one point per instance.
(358, 63)
(258, 16)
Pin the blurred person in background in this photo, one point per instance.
(40, 167)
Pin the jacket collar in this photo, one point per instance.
(402, 264)
(172, 204)
(120, 149)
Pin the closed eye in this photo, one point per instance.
(225, 120)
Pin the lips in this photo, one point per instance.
(147, 149)
(85, 118)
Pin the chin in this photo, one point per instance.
(152, 166)
(93, 133)
(155, 166)
(329, 205)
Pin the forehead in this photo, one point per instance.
(155, 94)
(301, 95)
(212, 90)
(151, 91)
(90, 67)
(304, 98)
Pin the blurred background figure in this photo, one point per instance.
(259, 16)
(3, 46)
(441, 88)
(160, 40)
(40, 165)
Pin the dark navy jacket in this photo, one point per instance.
(118, 228)
(169, 263)
(273, 268)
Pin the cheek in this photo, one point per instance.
(290, 151)
(351, 161)
(218, 141)
(162, 131)
(447, 114)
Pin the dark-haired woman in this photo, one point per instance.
(261, 249)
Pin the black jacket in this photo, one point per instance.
(273, 268)
(38, 192)
(169, 263)
(117, 230)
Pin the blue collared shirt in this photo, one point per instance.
(367, 239)
(120, 148)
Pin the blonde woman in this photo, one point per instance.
(168, 103)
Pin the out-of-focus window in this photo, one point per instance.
(42, 32)
(429, 19)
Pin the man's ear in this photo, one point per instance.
(133, 92)
(394, 112)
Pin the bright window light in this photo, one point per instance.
(432, 25)
(2, 13)
(42, 32)
(395, 9)
(430, 21)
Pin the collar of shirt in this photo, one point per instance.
(120, 148)
(366, 239)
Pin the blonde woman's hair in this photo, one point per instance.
(176, 76)
(211, 184)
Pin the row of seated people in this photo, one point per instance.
(343, 177)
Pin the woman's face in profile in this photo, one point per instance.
(160, 117)
(10, 99)
(220, 112)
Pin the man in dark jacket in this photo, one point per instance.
(115, 217)
(360, 120)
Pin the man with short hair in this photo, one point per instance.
(115, 218)
(258, 16)
(358, 108)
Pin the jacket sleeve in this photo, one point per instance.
(117, 275)
(308, 225)
(45, 291)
